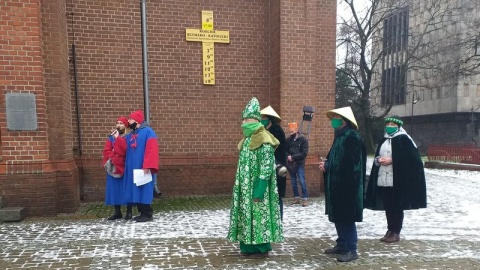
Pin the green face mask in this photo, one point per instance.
(265, 122)
(249, 128)
(336, 123)
(390, 130)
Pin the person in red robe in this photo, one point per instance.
(114, 162)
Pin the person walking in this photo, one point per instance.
(255, 212)
(271, 121)
(297, 150)
(397, 179)
(142, 154)
(344, 173)
(113, 153)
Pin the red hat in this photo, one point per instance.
(137, 116)
(123, 119)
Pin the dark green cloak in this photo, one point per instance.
(344, 177)
(409, 185)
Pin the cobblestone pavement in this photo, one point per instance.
(189, 233)
(196, 240)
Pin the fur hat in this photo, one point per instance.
(293, 126)
(137, 116)
(124, 120)
(252, 110)
(269, 111)
(394, 119)
(346, 113)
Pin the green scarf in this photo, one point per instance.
(249, 128)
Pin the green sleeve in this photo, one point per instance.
(259, 189)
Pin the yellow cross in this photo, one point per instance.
(208, 37)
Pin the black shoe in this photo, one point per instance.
(116, 215)
(348, 257)
(137, 217)
(335, 250)
(128, 215)
(144, 219)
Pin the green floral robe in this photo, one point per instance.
(259, 222)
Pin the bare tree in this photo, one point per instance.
(404, 46)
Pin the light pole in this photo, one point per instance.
(477, 46)
(415, 98)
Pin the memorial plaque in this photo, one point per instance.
(21, 112)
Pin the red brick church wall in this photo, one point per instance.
(281, 52)
(37, 169)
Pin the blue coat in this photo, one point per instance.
(142, 153)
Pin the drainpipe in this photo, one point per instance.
(145, 60)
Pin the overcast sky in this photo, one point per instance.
(343, 11)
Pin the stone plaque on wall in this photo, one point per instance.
(21, 112)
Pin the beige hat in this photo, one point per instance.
(345, 112)
(271, 112)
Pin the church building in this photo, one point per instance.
(70, 68)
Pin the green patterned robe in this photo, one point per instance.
(259, 222)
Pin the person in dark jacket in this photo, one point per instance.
(297, 150)
(397, 179)
(271, 120)
(344, 173)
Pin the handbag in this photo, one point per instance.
(110, 169)
(292, 167)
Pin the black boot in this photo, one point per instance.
(117, 214)
(128, 215)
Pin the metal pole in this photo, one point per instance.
(145, 60)
(414, 101)
(411, 119)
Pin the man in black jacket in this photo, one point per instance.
(271, 120)
(297, 150)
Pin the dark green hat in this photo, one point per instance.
(394, 119)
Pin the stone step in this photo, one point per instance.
(13, 213)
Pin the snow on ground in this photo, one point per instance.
(453, 203)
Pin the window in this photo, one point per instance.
(395, 41)
(395, 32)
(393, 86)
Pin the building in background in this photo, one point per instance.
(430, 56)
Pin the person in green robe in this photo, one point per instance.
(255, 212)
(344, 173)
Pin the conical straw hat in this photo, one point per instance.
(271, 112)
(345, 112)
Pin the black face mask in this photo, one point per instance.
(133, 125)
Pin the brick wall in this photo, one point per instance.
(56, 77)
(21, 71)
(36, 192)
(279, 52)
(37, 170)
